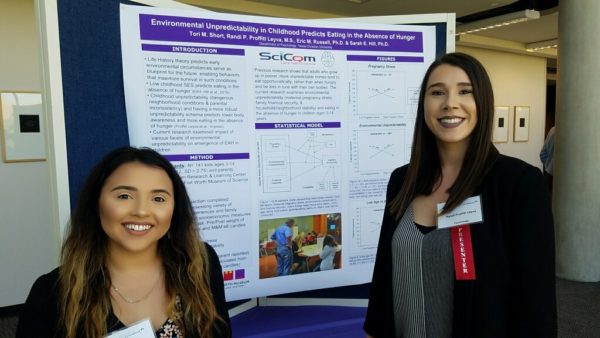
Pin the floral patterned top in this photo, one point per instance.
(40, 313)
(169, 330)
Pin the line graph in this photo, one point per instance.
(387, 92)
(381, 149)
(368, 226)
(377, 92)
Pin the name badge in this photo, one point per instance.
(141, 329)
(468, 212)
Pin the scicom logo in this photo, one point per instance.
(286, 57)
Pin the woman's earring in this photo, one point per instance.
(169, 235)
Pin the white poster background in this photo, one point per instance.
(268, 119)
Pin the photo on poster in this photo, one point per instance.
(315, 245)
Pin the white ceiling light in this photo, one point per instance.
(497, 21)
(535, 46)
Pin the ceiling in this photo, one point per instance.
(512, 37)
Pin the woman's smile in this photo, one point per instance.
(450, 109)
(450, 121)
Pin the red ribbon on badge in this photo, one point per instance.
(464, 264)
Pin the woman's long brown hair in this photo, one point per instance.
(84, 281)
(424, 169)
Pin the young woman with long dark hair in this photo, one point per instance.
(132, 252)
(492, 273)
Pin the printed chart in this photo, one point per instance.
(303, 160)
(379, 150)
(377, 93)
(367, 226)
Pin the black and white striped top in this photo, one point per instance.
(423, 280)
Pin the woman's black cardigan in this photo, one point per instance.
(514, 292)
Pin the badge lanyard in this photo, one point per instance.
(464, 264)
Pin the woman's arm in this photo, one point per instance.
(39, 314)
(532, 258)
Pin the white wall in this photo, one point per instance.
(28, 241)
(517, 80)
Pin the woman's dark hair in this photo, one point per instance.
(329, 240)
(424, 169)
(84, 279)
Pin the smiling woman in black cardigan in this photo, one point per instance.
(419, 287)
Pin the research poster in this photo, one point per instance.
(272, 122)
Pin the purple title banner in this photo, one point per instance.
(297, 125)
(192, 49)
(199, 30)
(385, 58)
(207, 157)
